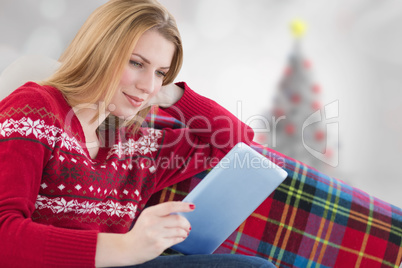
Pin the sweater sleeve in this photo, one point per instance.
(211, 132)
(25, 118)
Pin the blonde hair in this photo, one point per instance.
(93, 63)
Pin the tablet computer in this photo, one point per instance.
(226, 196)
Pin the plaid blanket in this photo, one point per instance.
(310, 220)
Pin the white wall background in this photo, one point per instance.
(236, 50)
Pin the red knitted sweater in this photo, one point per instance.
(54, 199)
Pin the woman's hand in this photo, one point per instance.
(167, 96)
(158, 229)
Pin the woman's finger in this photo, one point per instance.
(175, 233)
(175, 220)
(168, 208)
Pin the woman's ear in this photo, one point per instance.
(24, 69)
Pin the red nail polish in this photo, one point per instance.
(190, 228)
(192, 206)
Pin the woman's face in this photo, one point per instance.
(143, 75)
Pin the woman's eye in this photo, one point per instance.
(160, 74)
(135, 64)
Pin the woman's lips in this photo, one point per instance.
(135, 101)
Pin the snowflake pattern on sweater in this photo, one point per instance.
(60, 205)
(144, 145)
(114, 182)
(53, 135)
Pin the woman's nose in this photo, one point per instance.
(146, 82)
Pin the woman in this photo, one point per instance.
(74, 178)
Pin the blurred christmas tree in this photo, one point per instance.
(295, 133)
